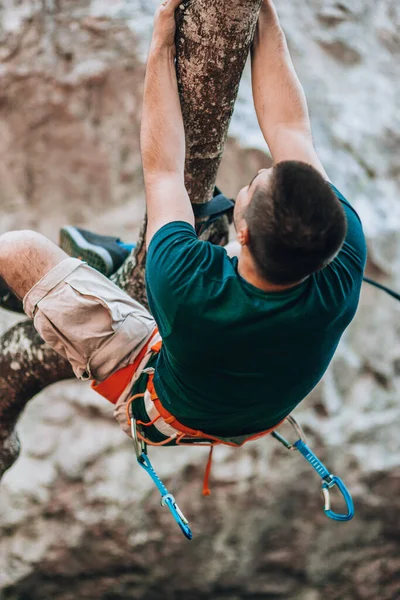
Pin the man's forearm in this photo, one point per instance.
(279, 98)
(162, 133)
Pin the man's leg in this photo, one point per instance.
(104, 253)
(25, 257)
(81, 314)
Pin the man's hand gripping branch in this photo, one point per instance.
(162, 132)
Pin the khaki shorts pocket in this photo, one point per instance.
(93, 323)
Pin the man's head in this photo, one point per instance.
(291, 222)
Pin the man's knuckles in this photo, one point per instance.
(172, 4)
(168, 7)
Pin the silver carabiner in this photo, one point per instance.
(139, 445)
(292, 421)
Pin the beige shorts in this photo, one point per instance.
(87, 319)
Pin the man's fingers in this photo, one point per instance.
(165, 24)
(171, 4)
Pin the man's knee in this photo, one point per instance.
(25, 257)
(13, 243)
(26, 249)
(6, 241)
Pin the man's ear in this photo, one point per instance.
(243, 235)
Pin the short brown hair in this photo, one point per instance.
(296, 223)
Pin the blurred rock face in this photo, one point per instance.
(70, 93)
(78, 518)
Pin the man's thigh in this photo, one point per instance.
(83, 316)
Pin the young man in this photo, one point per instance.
(244, 339)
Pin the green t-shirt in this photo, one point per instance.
(236, 360)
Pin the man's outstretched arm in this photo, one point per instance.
(279, 98)
(162, 136)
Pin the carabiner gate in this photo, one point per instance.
(139, 445)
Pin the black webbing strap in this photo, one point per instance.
(218, 206)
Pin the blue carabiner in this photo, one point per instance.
(329, 481)
(326, 485)
(169, 500)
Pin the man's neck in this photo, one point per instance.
(247, 270)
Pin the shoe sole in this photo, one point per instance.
(74, 244)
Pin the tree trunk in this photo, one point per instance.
(213, 41)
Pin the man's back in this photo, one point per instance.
(236, 359)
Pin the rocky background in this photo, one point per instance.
(78, 518)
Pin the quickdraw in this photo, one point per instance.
(328, 480)
(167, 499)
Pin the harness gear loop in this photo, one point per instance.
(188, 435)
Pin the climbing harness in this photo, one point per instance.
(328, 480)
(205, 213)
(177, 434)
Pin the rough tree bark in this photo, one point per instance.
(213, 41)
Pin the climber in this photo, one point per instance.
(244, 339)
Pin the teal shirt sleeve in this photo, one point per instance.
(175, 259)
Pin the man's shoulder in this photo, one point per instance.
(353, 253)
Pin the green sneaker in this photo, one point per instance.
(102, 252)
